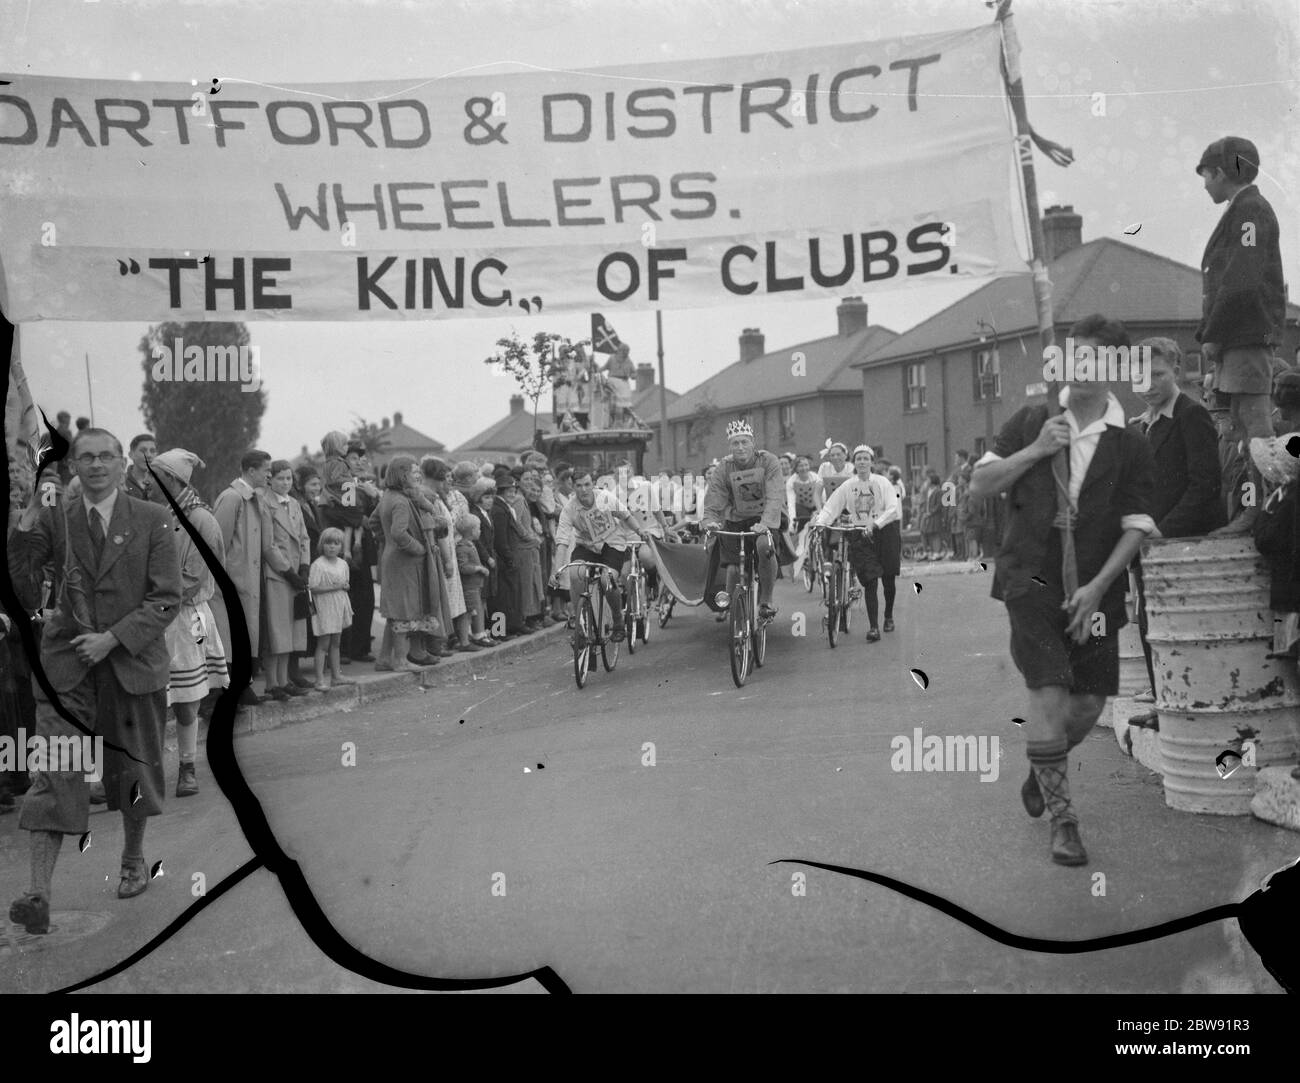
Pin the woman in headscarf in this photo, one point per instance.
(339, 506)
(284, 579)
(198, 657)
(405, 599)
(514, 561)
(443, 573)
(461, 481)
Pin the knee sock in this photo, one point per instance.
(1051, 767)
(45, 852)
(133, 840)
(891, 588)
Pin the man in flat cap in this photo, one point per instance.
(1244, 300)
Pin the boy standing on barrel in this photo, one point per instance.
(1244, 300)
(1081, 485)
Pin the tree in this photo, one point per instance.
(701, 425)
(217, 419)
(532, 368)
(375, 437)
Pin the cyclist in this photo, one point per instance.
(869, 500)
(747, 492)
(803, 494)
(835, 471)
(596, 526)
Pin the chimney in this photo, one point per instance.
(516, 404)
(383, 423)
(751, 344)
(397, 417)
(852, 315)
(645, 376)
(1062, 230)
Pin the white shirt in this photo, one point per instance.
(1083, 446)
(596, 526)
(104, 507)
(869, 501)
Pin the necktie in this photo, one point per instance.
(97, 532)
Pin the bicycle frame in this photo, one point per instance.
(588, 632)
(840, 588)
(748, 632)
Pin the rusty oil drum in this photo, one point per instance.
(1211, 630)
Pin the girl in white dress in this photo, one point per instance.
(327, 582)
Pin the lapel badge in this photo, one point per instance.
(118, 539)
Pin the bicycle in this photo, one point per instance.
(812, 563)
(841, 589)
(747, 631)
(665, 599)
(636, 604)
(592, 624)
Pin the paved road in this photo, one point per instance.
(626, 877)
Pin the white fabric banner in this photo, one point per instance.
(677, 185)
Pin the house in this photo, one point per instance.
(951, 382)
(794, 397)
(391, 439)
(508, 439)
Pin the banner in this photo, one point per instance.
(688, 184)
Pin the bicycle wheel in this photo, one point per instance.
(833, 606)
(809, 567)
(608, 648)
(666, 601)
(846, 609)
(739, 641)
(644, 608)
(630, 620)
(583, 634)
(760, 639)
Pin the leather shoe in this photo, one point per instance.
(135, 881)
(1032, 796)
(1145, 719)
(294, 690)
(1067, 848)
(249, 698)
(187, 784)
(32, 912)
(889, 624)
(280, 695)
(302, 682)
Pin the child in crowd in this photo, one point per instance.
(473, 575)
(328, 583)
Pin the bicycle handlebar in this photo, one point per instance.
(740, 533)
(582, 564)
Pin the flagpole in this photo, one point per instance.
(663, 399)
(1024, 147)
(89, 393)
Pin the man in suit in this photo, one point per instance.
(104, 653)
(1080, 483)
(1185, 447)
(1244, 300)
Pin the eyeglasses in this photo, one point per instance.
(104, 457)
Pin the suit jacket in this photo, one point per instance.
(133, 590)
(1244, 300)
(1187, 472)
(1119, 482)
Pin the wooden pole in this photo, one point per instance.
(89, 392)
(1025, 149)
(664, 452)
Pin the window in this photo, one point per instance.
(787, 421)
(879, 449)
(981, 446)
(918, 460)
(988, 375)
(914, 392)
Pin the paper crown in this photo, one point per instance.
(739, 428)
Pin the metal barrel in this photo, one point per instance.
(1211, 630)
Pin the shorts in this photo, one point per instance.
(1245, 370)
(1045, 656)
(608, 556)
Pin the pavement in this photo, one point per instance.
(498, 819)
